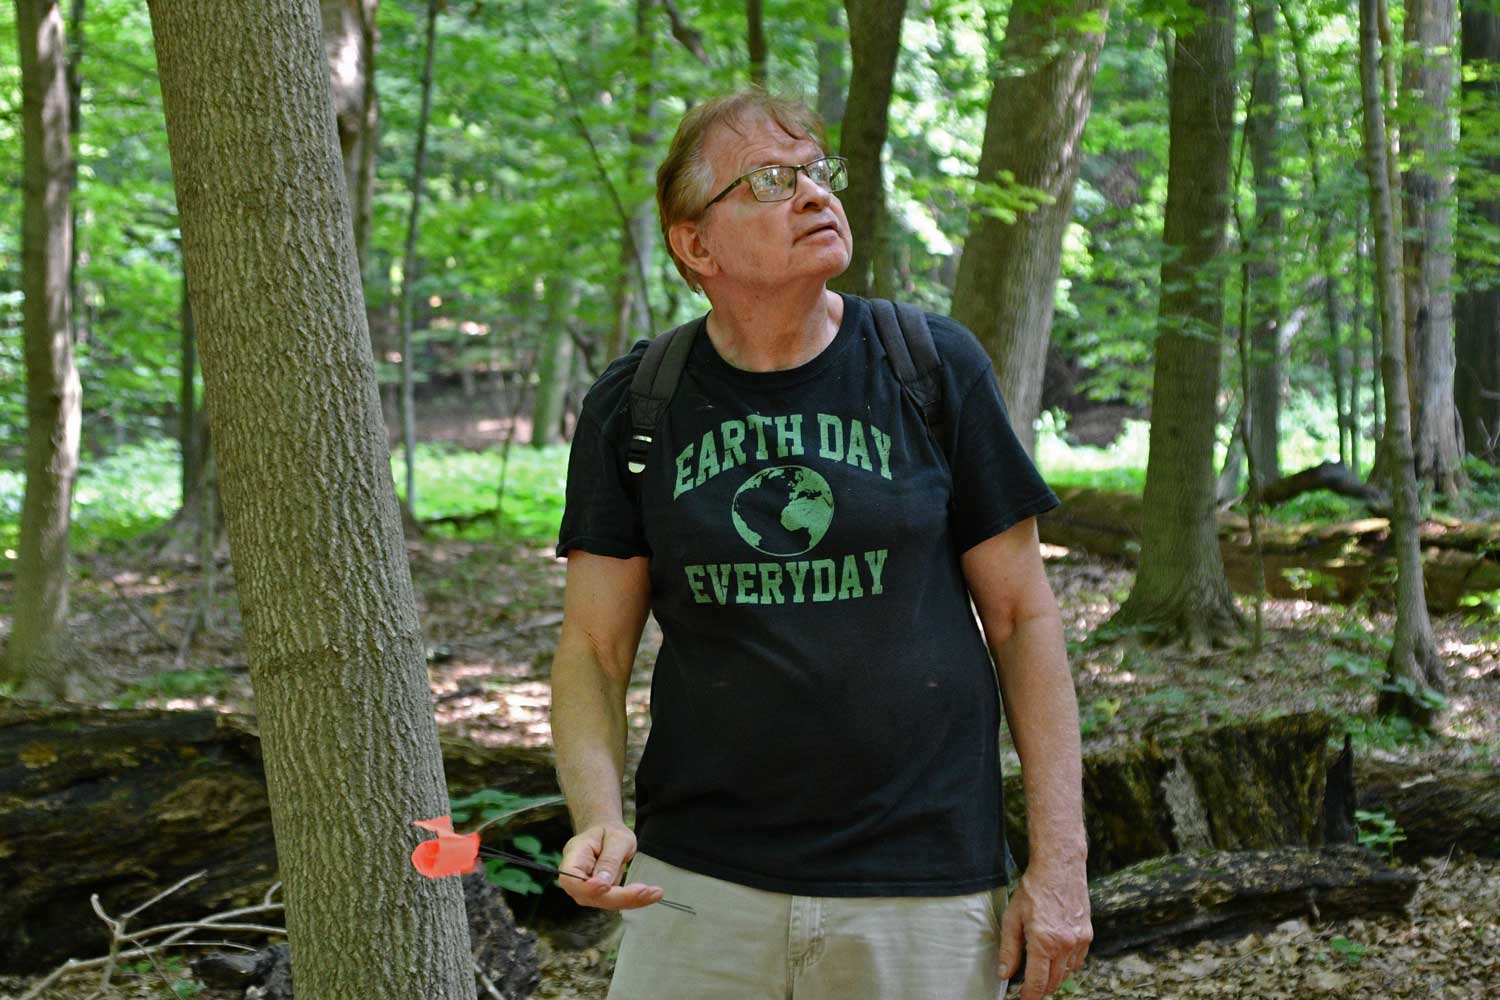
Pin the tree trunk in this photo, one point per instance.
(1180, 591)
(1007, 277)
(874, 44)
(349, 37)
(1477, 388)
(1262, 126)
(36, 660)
(633, 315)
(755, 36)
(1414, 663)
(1427, 188)
(833, 70)
(189, 419)
(555, 365)
(409, 275)
(1437, 809)
(335, 649)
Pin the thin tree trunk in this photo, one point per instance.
(36, 661)
(1180, 591)
(555, 365)
(1413, 661)
(335, 649)
(633, 315)
(755, 35)
(874, 44)
(75, 36)
(1477, 388)
(1007, 277)
(349, 38)
(833, 70)
(1262, 125)
(1427, 190)
(409, 273)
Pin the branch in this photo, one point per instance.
(690, 39)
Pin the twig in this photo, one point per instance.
(489, 985)
(150, 625)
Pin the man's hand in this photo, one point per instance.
(1049, 913)
(598, 855)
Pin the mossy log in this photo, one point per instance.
(126, 803)
(1256, 784)
(1437, 811)
(1187, 897)
(1327, 563)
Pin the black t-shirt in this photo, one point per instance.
(824, 711)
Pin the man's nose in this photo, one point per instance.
(809, 193)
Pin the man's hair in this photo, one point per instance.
(684, 177)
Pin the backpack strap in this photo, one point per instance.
(910, 349)
(653, 386)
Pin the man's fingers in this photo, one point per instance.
(616, 897)
(1011, 936)
(611, 863)
(1038, 975)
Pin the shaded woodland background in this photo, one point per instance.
(1237, 264)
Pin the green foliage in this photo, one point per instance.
(1378, 831)
(1098, 714)
(456, 483)
(173, 684)
(1351, 952)
(522, 880)
(1390, 733)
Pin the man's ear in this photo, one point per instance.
(687, 242)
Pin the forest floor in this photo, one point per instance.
(491, 616)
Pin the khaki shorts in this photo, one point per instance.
(748, 944)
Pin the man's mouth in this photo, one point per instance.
(831, 227)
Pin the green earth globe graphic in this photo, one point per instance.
(784, 510)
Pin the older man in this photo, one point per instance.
(821, 783)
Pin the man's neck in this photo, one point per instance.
(776, 329)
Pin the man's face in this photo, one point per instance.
(753, 243)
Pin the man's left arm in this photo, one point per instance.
(1049, 907)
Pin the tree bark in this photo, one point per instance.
(874, 44)
(555, 365)
(349, 38)
(633, 314)
(36, 659)
(1427, 189)
(833, 70)
(1414, 658)
(1180, 592)
(1007, 277)
(1477, 381)
(1262, 127)
(335, 649)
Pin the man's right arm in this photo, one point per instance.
(604, 610)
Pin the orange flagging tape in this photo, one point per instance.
(451, 854)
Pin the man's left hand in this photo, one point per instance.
(1048, 913)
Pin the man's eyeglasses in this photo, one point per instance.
(778, 182)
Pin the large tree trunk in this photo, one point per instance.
(874, 44)
(1427, 188)
(1414, 660)
(1477, 381)
(335, 649)
(1262, 125)
(36, 660)
(1007, 278)
(1180, 591)
(349, 37)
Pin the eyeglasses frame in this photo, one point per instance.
(799, 168)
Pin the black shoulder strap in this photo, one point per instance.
(913, 355)
(654, 384)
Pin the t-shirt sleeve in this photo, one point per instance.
(995, 483)
(600, 514)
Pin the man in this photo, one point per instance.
(821, 783)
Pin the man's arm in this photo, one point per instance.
(1050, 906)
(604, 611)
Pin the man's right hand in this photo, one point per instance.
(598, 856)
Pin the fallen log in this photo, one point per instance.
(1244, 785)
(1328, 563)
(1336, 477)
(1189, 897)
(1437, 812)
(125, 803)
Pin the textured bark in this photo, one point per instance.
(335, 649)
(349, 38)
(1437, 810)
(1180, 591)
(36, 660)
(1189, 897)
(874, 44)
(1245, 785)
(1331, 563)
(755, 39)
(1427, 188)
(125, 803)
(1414, 655)
(1262, 128)
(1477, 381)
(1007, 278)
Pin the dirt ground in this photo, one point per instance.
(491, 616)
